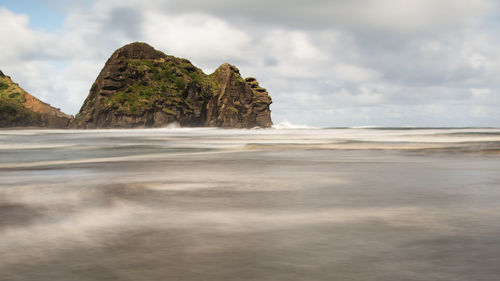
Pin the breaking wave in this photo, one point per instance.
(289, 125)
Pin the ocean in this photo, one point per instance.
(388, 204)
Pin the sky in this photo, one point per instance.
(328, 63)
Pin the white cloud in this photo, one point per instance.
(395, 15)
(481, 93)
(382, 62)
(197, 36)
(19, 40)
(354, 73)
(476, 61)
(479, 111)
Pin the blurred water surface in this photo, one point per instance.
(210, 204)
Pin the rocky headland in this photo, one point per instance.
(20, 109)
(142, 87)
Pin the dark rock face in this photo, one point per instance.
(142, 87)
(20, 109)
(239, 103)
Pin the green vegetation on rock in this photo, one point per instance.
(13, 113)
(12, 110)
(161, 84)
(10, 91)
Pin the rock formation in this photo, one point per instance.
(142, 87)
(20, 109)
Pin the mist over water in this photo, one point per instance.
(277, 204)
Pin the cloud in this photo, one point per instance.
(21, 39)
(198, 36)
(394, 15)
(339, 63)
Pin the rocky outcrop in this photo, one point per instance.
(20, 109)
(239, 103)
(142, 87)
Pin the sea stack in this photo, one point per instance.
(142, 87)
(20, 109)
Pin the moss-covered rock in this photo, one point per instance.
(142, 87)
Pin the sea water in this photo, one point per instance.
(274, 204)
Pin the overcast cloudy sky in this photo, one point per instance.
(324, 62)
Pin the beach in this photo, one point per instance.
(262, 204)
